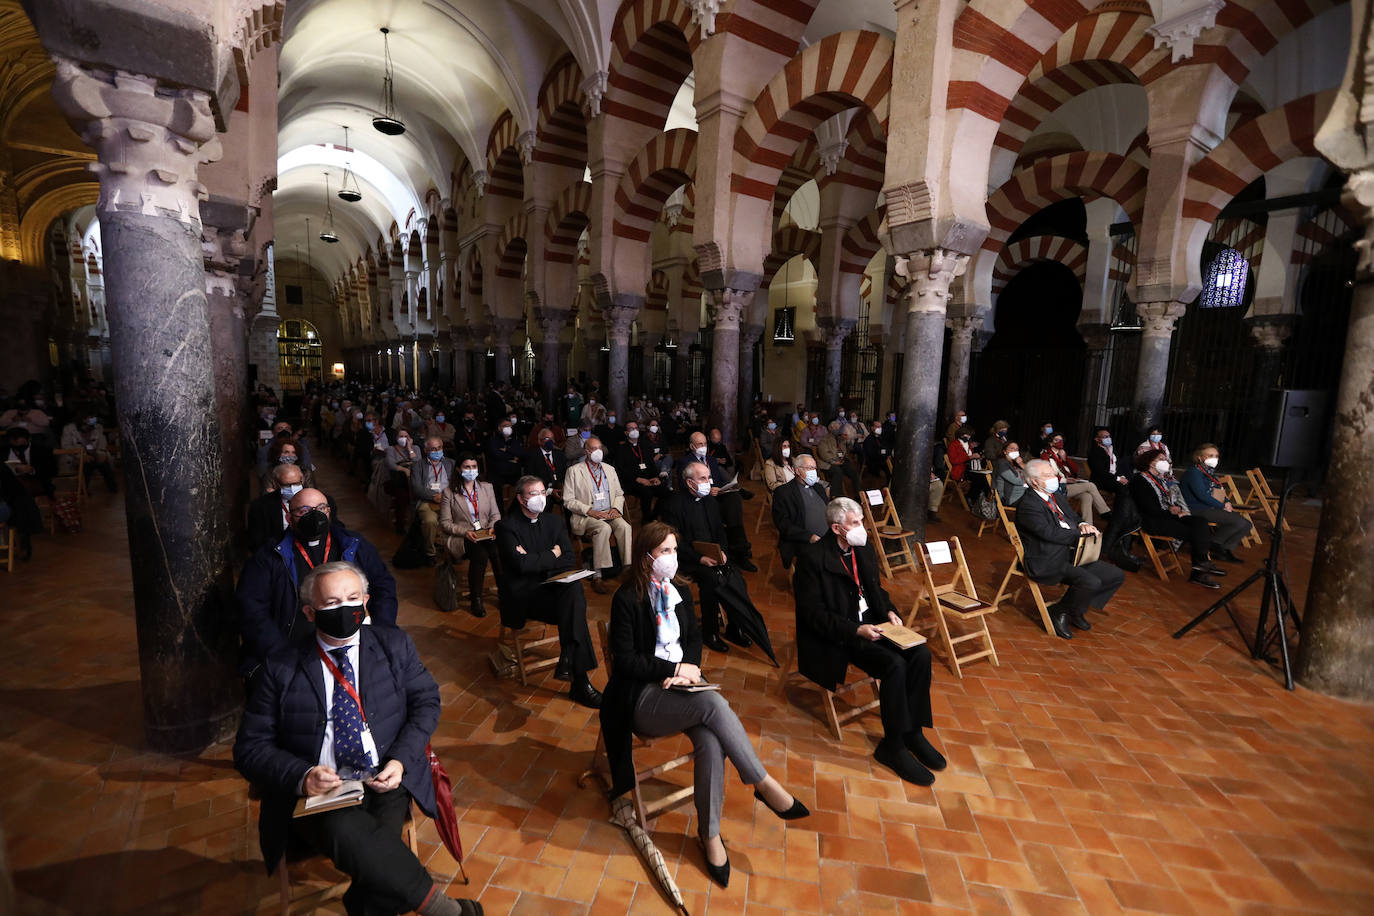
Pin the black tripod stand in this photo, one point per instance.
(1276, 594)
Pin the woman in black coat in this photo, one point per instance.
(655, 651)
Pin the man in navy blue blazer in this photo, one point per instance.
(355, 701)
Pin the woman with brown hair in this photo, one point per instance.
(655, 653)
(284, 450)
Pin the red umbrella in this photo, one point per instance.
(445, 819)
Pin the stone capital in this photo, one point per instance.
(223, 251)
(149, 138)
(525, 142)
(1095, 335)
(834, 330)
(1359, 198)
(963, 328)
(619, 319)
(1271, 332)
(729, 306)
(503, 328)
(552, 321)
(594, 88)
(1157, 319)
(930, 271)
(1184, 21)
(750, 334)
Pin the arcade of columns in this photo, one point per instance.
(186, 165)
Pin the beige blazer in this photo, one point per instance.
(455, 515)
(578, 492)
(775, 475)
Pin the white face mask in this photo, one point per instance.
(857, 536)
(665, 566)
(963, 419)
(1210, 462)
(535, 503)
(633, 435)
(1161, 467)
(704, 488)
(1012, 456)
(1052, 485)
(700, 452)
(815, 420)
(877, 430)
(611, 419)
(809, 477)
(596, 456)
(402, 442)
(505, 431)
(653, 429)
(787, 453)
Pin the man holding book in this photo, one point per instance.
(843, 614)
(346, 716)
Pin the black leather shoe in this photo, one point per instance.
(1209, 568)
(746, 494)
(733, 634)
(1126, 561)
(798, 810)
(895, 756)
(1060, 620)
(563, 671)
(1201, 578)
(719, 873)
(584, 693)
(431, 561)
(478, 609)
(748, 565)
(925, 751)
(715, 643)
(1079, 620)
(1226, 555)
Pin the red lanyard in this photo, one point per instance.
(328, 538)
(548, 459)
(638, 453)
(437, 466)
(1207, 472)
(597, 479)
(472, 499)
(1059, 513)
(343, 681)
(1163, 491)
(853, 567)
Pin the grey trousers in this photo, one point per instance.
(1232, 527)
(715, 732)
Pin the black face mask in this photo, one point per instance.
(340, 622)
(312, 526)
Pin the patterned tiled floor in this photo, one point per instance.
(1122, 771)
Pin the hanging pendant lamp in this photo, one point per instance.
(348, 187)
(387, 122)
(327, 234)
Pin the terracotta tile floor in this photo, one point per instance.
(1120, 771)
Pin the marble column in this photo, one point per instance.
(479, 362)
(1270, 334)
(1095, 378)
(501, 331)
(1157, 320)
(551, 324)
(931, 272)
(444, 360)
(224, 250)
(150, 139)
(619, 317)
(962, 330)
(834, 332)
(459, 338)
(682, 370)
(728, 307)
(749, 337)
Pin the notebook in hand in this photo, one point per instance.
(483, 534)
(698, 687)
(568, 576)
(900, 636)
(708, 549)
(345, 795)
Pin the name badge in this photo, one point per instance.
(863, 606)
(643, 466)
(369, 746)
(476, 524)
(434, 485)
(601, 502)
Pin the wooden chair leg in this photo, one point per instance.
(1154, 557)
(830, 714)
(1041, 606)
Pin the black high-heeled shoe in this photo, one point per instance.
(798, 810)
(719, 873)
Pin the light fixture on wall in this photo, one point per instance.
(327, 234)
(348, 187)
(387, 122)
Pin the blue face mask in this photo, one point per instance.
(1106, 441)
(1156, 437)
(289, 491)
(586, 434)
(439, 418)
(436, 456)
(368, 425)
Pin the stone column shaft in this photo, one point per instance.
(1152, 373)
(749, 337)
(150, 140)
(551, 323)
(931, 272)
(960, 354)
(501, 330)
(728, 307)
(618, 319)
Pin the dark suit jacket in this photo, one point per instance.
(1049, 548)
(523, 574)
(789, 517)
(284, 719)
(1099, 471)
(695, 520)
(536, 466)
(627, 462)
(633, 635)
(265, 520)
(828, 604)
(1146, 499)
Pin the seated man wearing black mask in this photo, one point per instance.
(270, 617)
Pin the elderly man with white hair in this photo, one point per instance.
(1049, 530)
(840, 605)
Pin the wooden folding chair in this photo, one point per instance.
(600, 765)
(79, 454)
(765, 511)
(1244, 508)
(956, 598)
(314, 898)
(1018, 568)
(756, 471)
(951, 483)
(833, 717)
(8, 546)
(1001, 514)
(521, 654)
(1265, 497)
(891, 539)
(1149, 540)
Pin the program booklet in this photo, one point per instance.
(483, 534)
(568, 576)
(698, 687)
(900, 636)
(709, 549)
(347, 794)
